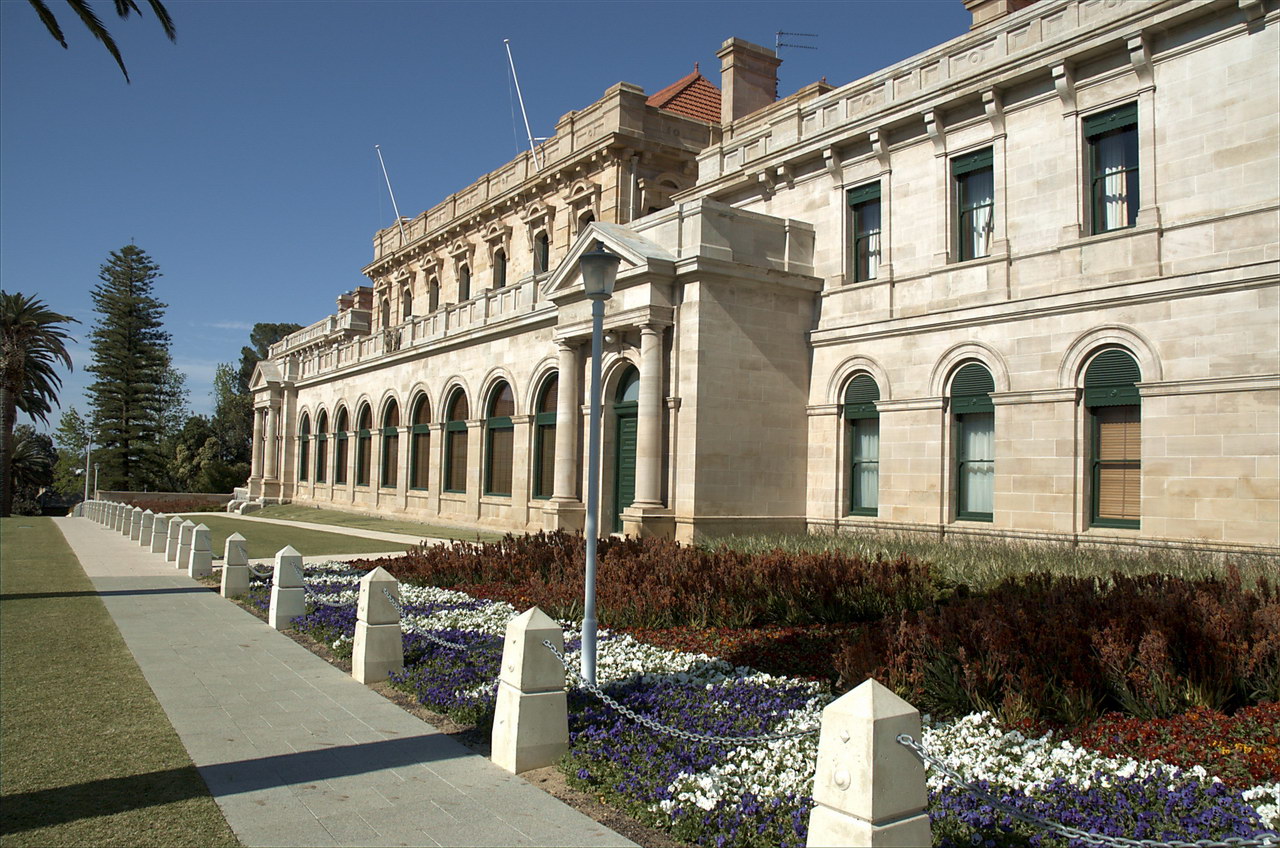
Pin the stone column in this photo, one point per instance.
(566, 475)
(272, 465)
(258, 436)
(649, 419)
(531, 716)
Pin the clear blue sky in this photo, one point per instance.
(241, 157)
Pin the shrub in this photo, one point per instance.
(173, 506)
(1065, 649)
(660, 583)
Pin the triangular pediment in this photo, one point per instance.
(266, 375)
(636, 252)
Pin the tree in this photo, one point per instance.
(32, 343)
(91, 20)
(262, 337)
(232, 423)
(135, 392)
(31, 468)
(71, 439)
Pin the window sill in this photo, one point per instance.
(862, 512)
(984, 517)
(1117, 524)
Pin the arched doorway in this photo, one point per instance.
(625, 404)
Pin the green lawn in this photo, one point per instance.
(89, 757)
(265, 539)
(368, 522)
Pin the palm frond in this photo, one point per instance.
(49, 21)
(90, 20)
(162, 14)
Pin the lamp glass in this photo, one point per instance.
(599, 271)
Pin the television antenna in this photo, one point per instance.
(778, 43)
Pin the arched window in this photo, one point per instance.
(390, 445)
(625, 408)
(862, 444)
(304, 447)
(386, 313)
(364, 443)
(544, 439)
(499, 269)
(455, 444)
(322, 446)
(433, 295)
(499, 441)
(341, 456)
(541, 253)
(420, 445)
(464, 283)
(585, 219)
(975, 439)
(1115, 413)
(406, 303)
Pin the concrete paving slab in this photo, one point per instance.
(293, 750)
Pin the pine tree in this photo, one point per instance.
(71, 438)
(134, 386)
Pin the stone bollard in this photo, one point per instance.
(869, 788)
(288, 597)
(175, 536)
(185, 529)
(135, 525)
(531, 717)
(235, 567)
(200, 561)
(126, 521)
(379, 647)
(148, 523)
(159, 534)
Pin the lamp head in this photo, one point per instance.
(599, 272)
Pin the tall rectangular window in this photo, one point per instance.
(864, 205)
(1112, 138)
(975, 465)
(340, 460)
(1117, 466)
(419, 465)
(455, 457)
(975, 204)
(862, 434)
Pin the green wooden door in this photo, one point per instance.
(624, 468)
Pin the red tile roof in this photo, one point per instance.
(694, 96)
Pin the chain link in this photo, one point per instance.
(319, 598)
(456, 646)
(270, 572)
(657, 726)
(1269, 841)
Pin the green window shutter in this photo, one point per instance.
(1109, 380)
(971, 162)
(861, 194)
(971, 390)
(860, 397)
(1125, 116)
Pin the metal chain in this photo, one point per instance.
(435, 639)
(321, 599)
(673, 731)
(270, 572)
(1267, 841)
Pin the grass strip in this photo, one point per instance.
(265, 539)
(314, 515)
(89, 756)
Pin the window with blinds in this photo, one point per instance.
(391, 446)
(455, 445)
(862, 434)
(304, 449)
(364, 445)
(544, 440)
(500, 441)
(1115, 410)
(341, 455)
(420, 445)
(322, 447)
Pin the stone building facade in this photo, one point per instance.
(1022, 284)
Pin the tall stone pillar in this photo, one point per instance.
(257, 443)
(649, 419)
(271, 467)
(564, 488)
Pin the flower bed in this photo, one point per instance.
(727, 794)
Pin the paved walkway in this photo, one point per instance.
(380, 535)
(294, 751)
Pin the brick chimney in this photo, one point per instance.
(748, 78)
(985, 11)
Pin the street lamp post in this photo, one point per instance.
(88, 452)
(599, 270)
(95, 480)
